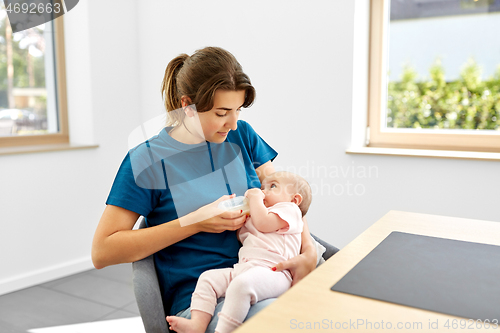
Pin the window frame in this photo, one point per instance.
(62, 136)
(430, 139)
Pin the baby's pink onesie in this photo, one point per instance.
(251, 279)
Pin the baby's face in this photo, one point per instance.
(277, 189)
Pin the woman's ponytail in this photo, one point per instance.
(169, 90)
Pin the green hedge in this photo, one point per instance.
(467, 103)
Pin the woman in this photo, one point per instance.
(177, 178)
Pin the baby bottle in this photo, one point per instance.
(236, 203)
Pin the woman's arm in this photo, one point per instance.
(115, 242)
(265, 170)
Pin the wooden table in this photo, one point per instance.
(311, 306)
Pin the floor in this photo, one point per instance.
(91, 296)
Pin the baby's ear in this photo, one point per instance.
(297, 199)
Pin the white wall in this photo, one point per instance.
(299, 56)
(51, 203)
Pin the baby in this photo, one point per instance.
(271, 234)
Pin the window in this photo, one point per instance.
(434, 77)
(32, 84)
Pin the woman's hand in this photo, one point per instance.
(298, 266)
(215, 220)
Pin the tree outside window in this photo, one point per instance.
(32, 84)
(435, 74)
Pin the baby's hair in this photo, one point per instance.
(301, 186)
(198, 77)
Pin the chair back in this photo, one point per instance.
(147, 293)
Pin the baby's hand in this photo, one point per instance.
(254, 192)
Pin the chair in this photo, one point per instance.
(147, 289)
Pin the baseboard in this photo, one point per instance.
(45, 275)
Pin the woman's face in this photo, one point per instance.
(222, 118)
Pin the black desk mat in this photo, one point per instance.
(442, 275)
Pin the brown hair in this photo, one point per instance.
(198, 77)
(301, 186)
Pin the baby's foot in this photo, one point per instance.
(184, 325)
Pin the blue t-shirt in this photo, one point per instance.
(163, 179)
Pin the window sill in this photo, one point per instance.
(44, 148)
(469, 155)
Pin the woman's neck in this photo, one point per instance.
(182, 134)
